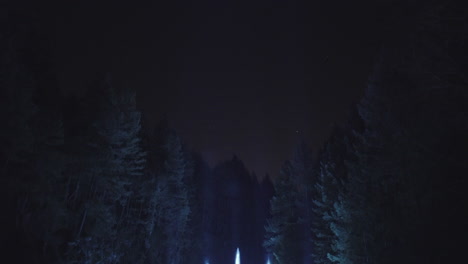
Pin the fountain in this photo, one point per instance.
(237, 256)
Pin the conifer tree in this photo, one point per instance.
(171, 203)
(282, 240)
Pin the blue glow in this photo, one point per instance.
(207, 261)
(268, 260)
(237, 256)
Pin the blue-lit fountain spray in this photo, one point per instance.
(268, 260)
(237, 256)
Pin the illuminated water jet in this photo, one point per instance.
(237, 256)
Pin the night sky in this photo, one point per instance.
(250, 78)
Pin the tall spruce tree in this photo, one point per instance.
(115, 162)
(324, 193)
(282, 239)
(172, 202)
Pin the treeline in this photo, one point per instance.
(84, 181)
(389, 186)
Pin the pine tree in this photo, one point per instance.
(114, 163)
(172, 207)
(303, 175)
(282, 240)
(325, 191)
